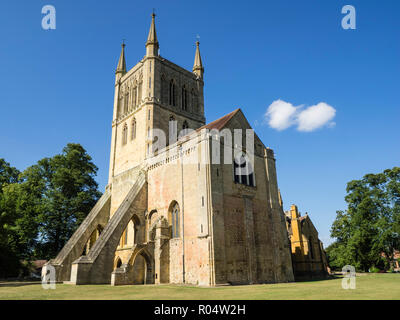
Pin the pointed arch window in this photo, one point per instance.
(126, 103)
(184, 98)
(175, 221)
(139, 94)
(133, 132)
(125, 134)
(172, 93)
(134, 95)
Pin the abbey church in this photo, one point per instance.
(179, 207)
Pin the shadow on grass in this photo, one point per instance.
(18, 283)
(330, 277)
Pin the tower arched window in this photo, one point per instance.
(139, 94)
(133, 132)
(175, 221)
(172, 93)
(185, 125)
(126, 103)
(134, 96)
(184, 98)
(125, 134)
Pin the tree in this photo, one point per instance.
(9, 259)
(368, 232)
(70, 193)
(41, 207)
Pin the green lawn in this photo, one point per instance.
(369, 286)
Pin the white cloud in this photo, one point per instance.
(315, 117)
(280, 115)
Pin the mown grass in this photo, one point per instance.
(369, 286)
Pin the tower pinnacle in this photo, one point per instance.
(152, 42)
(121, 68)
(198, 64)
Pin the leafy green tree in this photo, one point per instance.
(368, 232)
(70, 192)
(9, 259)
(41, 207)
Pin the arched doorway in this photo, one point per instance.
(142, 268)
(117, 263)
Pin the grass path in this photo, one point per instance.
(369, 286)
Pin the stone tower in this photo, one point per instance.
(148, 96)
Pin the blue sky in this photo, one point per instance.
(57, 85)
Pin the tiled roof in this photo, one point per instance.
(219, 123)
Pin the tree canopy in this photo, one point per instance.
(368, 232)
(41, 207)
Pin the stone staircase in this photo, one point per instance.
(96, 267)
(73, 249)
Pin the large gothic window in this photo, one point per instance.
(243, 170)
(184, 98)
(175, 221)
(125, 134)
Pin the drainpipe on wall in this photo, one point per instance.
(183, 219)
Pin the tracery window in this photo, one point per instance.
(243, 170)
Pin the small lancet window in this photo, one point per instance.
(175, 221)
(125, 134)
(172, 98)
(133, 132)
(184, 98)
